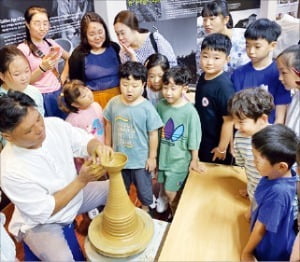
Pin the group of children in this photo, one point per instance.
(168, 134)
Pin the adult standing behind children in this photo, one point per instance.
(96, 60)
(272, 219)
(214, 88)
(43, 55)
(288, 63)
(132, 127)
(217, 19)
(44, 186)
(136, 42)
(180, 137)
(261, 71)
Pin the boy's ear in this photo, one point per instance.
(282, 167)
(7, 136)
(228, 58)
(264, 118)
(185, 88)
(273, 44)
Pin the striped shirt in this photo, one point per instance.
(244, 157)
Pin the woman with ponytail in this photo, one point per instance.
(43, 56)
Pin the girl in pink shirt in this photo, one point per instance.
(78, 100)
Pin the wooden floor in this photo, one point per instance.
(83, 221)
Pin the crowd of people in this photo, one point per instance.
(131, 97)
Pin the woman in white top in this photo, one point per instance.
(136, 42)
(217, 19)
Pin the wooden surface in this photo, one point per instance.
(209, 224)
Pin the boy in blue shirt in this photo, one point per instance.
(132, 125)
(272, 220)
(261, 39)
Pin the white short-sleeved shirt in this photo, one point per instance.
(30, 177)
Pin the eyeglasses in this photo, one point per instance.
(45, 24)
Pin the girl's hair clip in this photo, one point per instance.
(296, 71)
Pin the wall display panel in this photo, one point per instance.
(65, 18)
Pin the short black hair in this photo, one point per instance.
(251, 103)
(180, 75)
(217, 42)
(13, 108)
(277, 143)
(135, 69)
(263, 28)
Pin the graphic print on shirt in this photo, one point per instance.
(96, 128)
(170, 133)
(125, 132)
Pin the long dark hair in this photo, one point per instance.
(29, 13)
(215, 8)
(129, 19)
(85, 21)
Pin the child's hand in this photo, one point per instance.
(151, 164)
(196, 166)
(245, 256)
(218, 154)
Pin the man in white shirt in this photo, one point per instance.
(39, 176)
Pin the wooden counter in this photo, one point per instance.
(209, 224)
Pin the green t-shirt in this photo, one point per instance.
(180, 134)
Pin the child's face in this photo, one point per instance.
(85, 99)
(95, 35)
(262, 164)
(38, 26)
(212, 62)
(248, 126)
(154, 79)
(215, 24)
(131, 89)
(172, 92)
(259, 50)
(17, 77)
(287, 76)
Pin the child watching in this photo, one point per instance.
(180, 137)
(156, 64)
(15, 74)
(261, 39)
(272, 234)
(77, 100)
(213, 90)
(249, 109)
(132, 128)
(288, 63)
